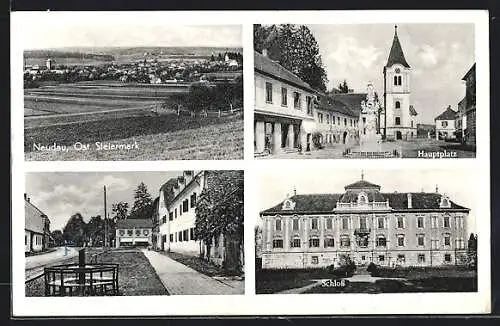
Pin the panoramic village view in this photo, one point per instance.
(167, 92)
(364, 91)
(134, 233)
(362, 232)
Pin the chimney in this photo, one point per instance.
(26, 197)
(264, 52)
(437, 189)
(294, 191)
(409, 201)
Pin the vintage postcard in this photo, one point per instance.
(134, 233)
(142, 90)
(365, 91)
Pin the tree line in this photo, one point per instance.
(79, 233)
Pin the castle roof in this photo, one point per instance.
(396, 56)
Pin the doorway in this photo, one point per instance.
(399, 135)
(344, 137)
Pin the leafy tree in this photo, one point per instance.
(472, 249)
(343, 87)
(143, 203)
(75, 230)
(57, 235)
(296, 49)
(95, 231)
(120, 211)
(201, 97)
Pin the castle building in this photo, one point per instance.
(399, 119)
(389, 229)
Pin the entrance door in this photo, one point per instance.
(399, 135)
(344, 137)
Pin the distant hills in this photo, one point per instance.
(44, 54)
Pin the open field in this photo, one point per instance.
(136, 276)
(163, 137)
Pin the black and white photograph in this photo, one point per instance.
(134, 233)
(124, 90)
(364, 91)
(373, 231)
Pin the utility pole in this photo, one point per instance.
(105, 220)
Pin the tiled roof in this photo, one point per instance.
(325, 203)
(350, 197)
(332, 104)
(396, 56)
(412, 110)
(352, 100)
(448, 114)
(269, 67)
(362, 184)
(33, 218)
(132, 223)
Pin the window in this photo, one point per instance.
(345, 223)
(137, 232)
(295, 243)
(362, 222)
(381, 258)
(145, 232)
(269, 92)
(400, 222)
(329, 223)
(320, 117)
(295, 224)
(459, 222)
(345, 121)
(180, 209)
(345, 241)
(459, 244)
(333, 119)
(314, 224)
(277, 243)
(175, 213)
(185, 235)
(284, 96)
(444, 124)
(171, 216)
(327, 119)
(381, 241)
(191, 233)
(420, 240)
(446, 222)
(397, 104)
(180, 235)
(401, 258)
(397, 80)
(171, 238)
(130, 233)
(351, 122)
(434, 222)
(381, 223)
(434, 244)
(447, 240)
(278, 225)
(314, 260)
(309, 105)
(338, 121)
(314, 243)
(401, 241)
(397, 121)
(193, 200)
(447, 258)
(329, 242)
(421, 258)
(185, 205)
(26, 240)
(122, 232)
(420, 222)
(296, 100)
(175, 237)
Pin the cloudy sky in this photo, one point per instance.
(62, 194)
(56, 34)
(439, 55)
(280, 183)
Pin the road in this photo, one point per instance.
(34, 264)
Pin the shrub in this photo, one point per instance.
(373, 269)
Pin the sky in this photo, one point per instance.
(280, 183)
(61, 194)
(439, 56)
(54, 33)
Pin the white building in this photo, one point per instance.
(399, 119)
(133, 233)
(284, 109)
(36, 228)
(445, 124)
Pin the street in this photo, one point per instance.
(34, 264)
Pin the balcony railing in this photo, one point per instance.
(370, 205)
(362, 231)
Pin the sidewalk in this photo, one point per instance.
(180, 279)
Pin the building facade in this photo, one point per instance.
(134, 233)
(284, 109)
(399, 115)
(461, 120)
(36, 228)
(335, 121)
(470, 105)
(390, 229)
(446, 124)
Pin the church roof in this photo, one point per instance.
(325, 203)
(266, 66)
(396, 56)
(448, 114)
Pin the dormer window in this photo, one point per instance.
(445, 202)
(288, 205)
(362, 199)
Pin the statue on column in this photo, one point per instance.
(369, 118)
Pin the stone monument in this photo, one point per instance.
(369, 136)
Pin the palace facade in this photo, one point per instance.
(405, 229)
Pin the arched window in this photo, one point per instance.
(398, 121)
(398, 105)
(395, 80)
(381, 241)
(278, 225)
(399, 80)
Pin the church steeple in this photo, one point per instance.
(396, 56)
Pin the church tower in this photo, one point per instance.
(399, 118)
